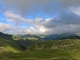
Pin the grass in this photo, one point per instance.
(58, 49)
(9, 45)
(20, 49)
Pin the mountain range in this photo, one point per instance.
(31, 46)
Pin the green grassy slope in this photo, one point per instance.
(58, 49)
(13, 43)
(8, 45)
(69, 48)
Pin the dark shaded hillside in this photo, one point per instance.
(16, 42)
(24, 43)
(5, 36)
(71, 37)
(8, 45)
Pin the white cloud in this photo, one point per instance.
(65, 22)
(64, 29)
(67, 17)
(18, 20)
(76, 10)
(5, 27)
(14, 18)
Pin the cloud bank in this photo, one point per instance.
(66, 16)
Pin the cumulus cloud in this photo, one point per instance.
(5, 27)
(64, 29)
(36, 24)
(65, 20)
(15, 18)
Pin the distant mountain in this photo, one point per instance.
(31, 36)
(50, 37)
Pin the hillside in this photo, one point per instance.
(18, 48)
(8, 45)
(57, 49)
(13, 43)
(68, 48)
(6, 36)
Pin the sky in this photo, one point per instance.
(39, 16)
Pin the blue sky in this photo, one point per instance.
(39, 16)
(0, 5)
(2, 18)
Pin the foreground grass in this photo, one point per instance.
(37, 55)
